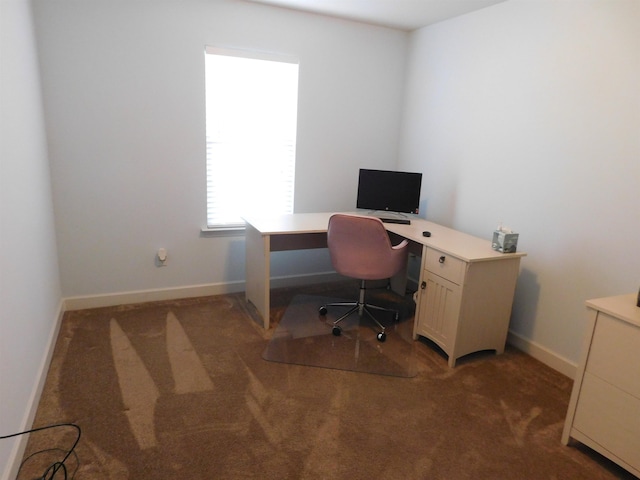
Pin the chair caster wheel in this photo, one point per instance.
(322, 310)
(336, 331)
(381, 337)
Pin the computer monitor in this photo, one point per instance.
(389, 191)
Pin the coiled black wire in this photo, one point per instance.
(51, 471)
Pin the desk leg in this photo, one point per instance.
(257, 271)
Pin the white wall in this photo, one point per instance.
(29, 282)
(524, 112)
(124, 99)
(528, 113)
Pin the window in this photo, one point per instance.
(251, 108)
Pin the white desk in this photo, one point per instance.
(264, 235)
(291, 232)
(473, 285)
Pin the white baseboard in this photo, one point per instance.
(17, 453)
(300, 280)
(543, 354)
(141, 296)
(191, 291)
(534, 349)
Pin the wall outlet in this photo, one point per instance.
(162, 257)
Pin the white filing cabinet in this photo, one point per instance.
(604, 410)
(464, 303)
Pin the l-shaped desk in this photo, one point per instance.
(466, 287)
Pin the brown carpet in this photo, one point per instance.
(179, 390)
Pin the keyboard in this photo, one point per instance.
(402, 221)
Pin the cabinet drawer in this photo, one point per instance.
(610, 417)
(614, 353)
(444, 265)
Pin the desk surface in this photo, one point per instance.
(455, 243)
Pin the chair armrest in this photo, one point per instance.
(401, 245)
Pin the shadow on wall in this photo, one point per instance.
(422, 206)
(525, 303)
(443, 207)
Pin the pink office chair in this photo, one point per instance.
(360, 248)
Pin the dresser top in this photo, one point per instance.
(620, 306)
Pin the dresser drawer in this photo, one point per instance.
(610, 417)
(614, 351)
(445, 266)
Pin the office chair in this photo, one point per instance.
(360, 248)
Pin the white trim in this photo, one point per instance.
(543, 354)
(141, 296)
(308, 279)
(17, 453)
(154, 295)
(253, 54)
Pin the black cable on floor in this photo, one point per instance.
(54, 468)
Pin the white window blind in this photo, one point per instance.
(251, 109)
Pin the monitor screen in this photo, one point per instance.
(389, 191)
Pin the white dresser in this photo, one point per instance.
(604, 410)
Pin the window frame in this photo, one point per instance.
(256, 55)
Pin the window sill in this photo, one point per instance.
(235, 230)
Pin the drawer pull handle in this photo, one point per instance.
(423, 285)
(442, 259)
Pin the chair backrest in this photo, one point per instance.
(360, 248)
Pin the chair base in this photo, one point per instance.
(361, 307)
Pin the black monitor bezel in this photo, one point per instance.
(389, 191)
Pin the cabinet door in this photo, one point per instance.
(439, 310)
